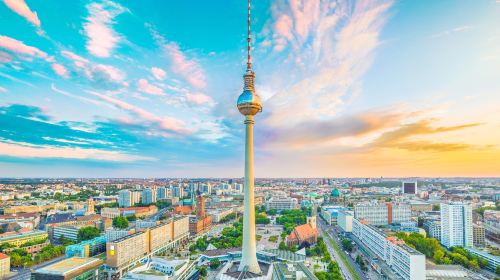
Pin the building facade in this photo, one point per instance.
(380, 214)
(403, 260)
(456, 225)
(281, 203)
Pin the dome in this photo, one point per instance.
(335, 193)
(249, 103)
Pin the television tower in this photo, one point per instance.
(249, 105)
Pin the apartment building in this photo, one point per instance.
(403, 260)
(19, 238)
(4, 265)
(433, 228)
(478, 236)
(456, 224)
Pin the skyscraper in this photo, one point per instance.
(456, 224)
(249, 105)
(148, 196)
(124, 198)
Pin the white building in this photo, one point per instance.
(125, 198)
(433, 228)
(456, 224)
(148, 196)
(403, 260)
(344, 220)
(380, 214)
(114, 234)
(281, 203)
(111, 213)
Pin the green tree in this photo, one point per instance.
(132, 218)
(120, 222)
(214, 264)
(346, 244)
(87, 233)
(497, 270)
(282, 246)
(203, 271)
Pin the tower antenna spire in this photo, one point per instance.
(249, 41)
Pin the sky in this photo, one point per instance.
(349, 88)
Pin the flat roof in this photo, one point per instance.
(70, 265)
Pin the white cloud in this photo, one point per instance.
(158, 73)
(144, 86)
(60, 70)
(102, 38)
(20, 7)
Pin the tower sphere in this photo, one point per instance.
(249, 103)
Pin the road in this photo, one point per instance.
(327, 231)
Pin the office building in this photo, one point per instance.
(380, 214)
(125, 198)
(329, 213)
(148, 196)
(409, 187)
(4, 265)
(344, 220)
(456, 224)
(478, 236)
(281, 203)
(74, 268)
(406, 262)
(68, 232)
(87, 248)
(110, 213)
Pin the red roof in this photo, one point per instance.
(3, 256)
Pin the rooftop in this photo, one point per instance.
(70, 265)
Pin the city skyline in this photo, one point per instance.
(351, 89)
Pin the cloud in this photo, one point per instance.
(5, 57)
(189, 69)
(2, 89)
(401, 137)
(19, 47)
(158, 73)
(35, 151)
(20, 7)
(199, 99)
(101, 37)
(60, 70)
(169, 124)
(144, 86)
(102, 75)
(451, 31)
(82, 98)
(329, 45)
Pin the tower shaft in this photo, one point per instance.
(249, 252)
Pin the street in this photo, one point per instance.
(326, 231)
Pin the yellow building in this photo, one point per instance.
(33, 208)
(18, 239)
(4, 265)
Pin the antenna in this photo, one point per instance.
(249, 41)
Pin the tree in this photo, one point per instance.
(346, 244)
(87, 233)
(420, 221)
(132, 218)
(497, 270)
(436, 207)
(214, 264)
(203, 271)
(120, 222)
(282, 246)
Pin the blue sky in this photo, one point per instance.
(350, 88)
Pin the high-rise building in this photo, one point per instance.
(281, 203)
(409, 187)
(136, 197)
(178, 191)
(433, 228)
(161, 193)
(456, 224)
(125, 198)
(148, 196)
